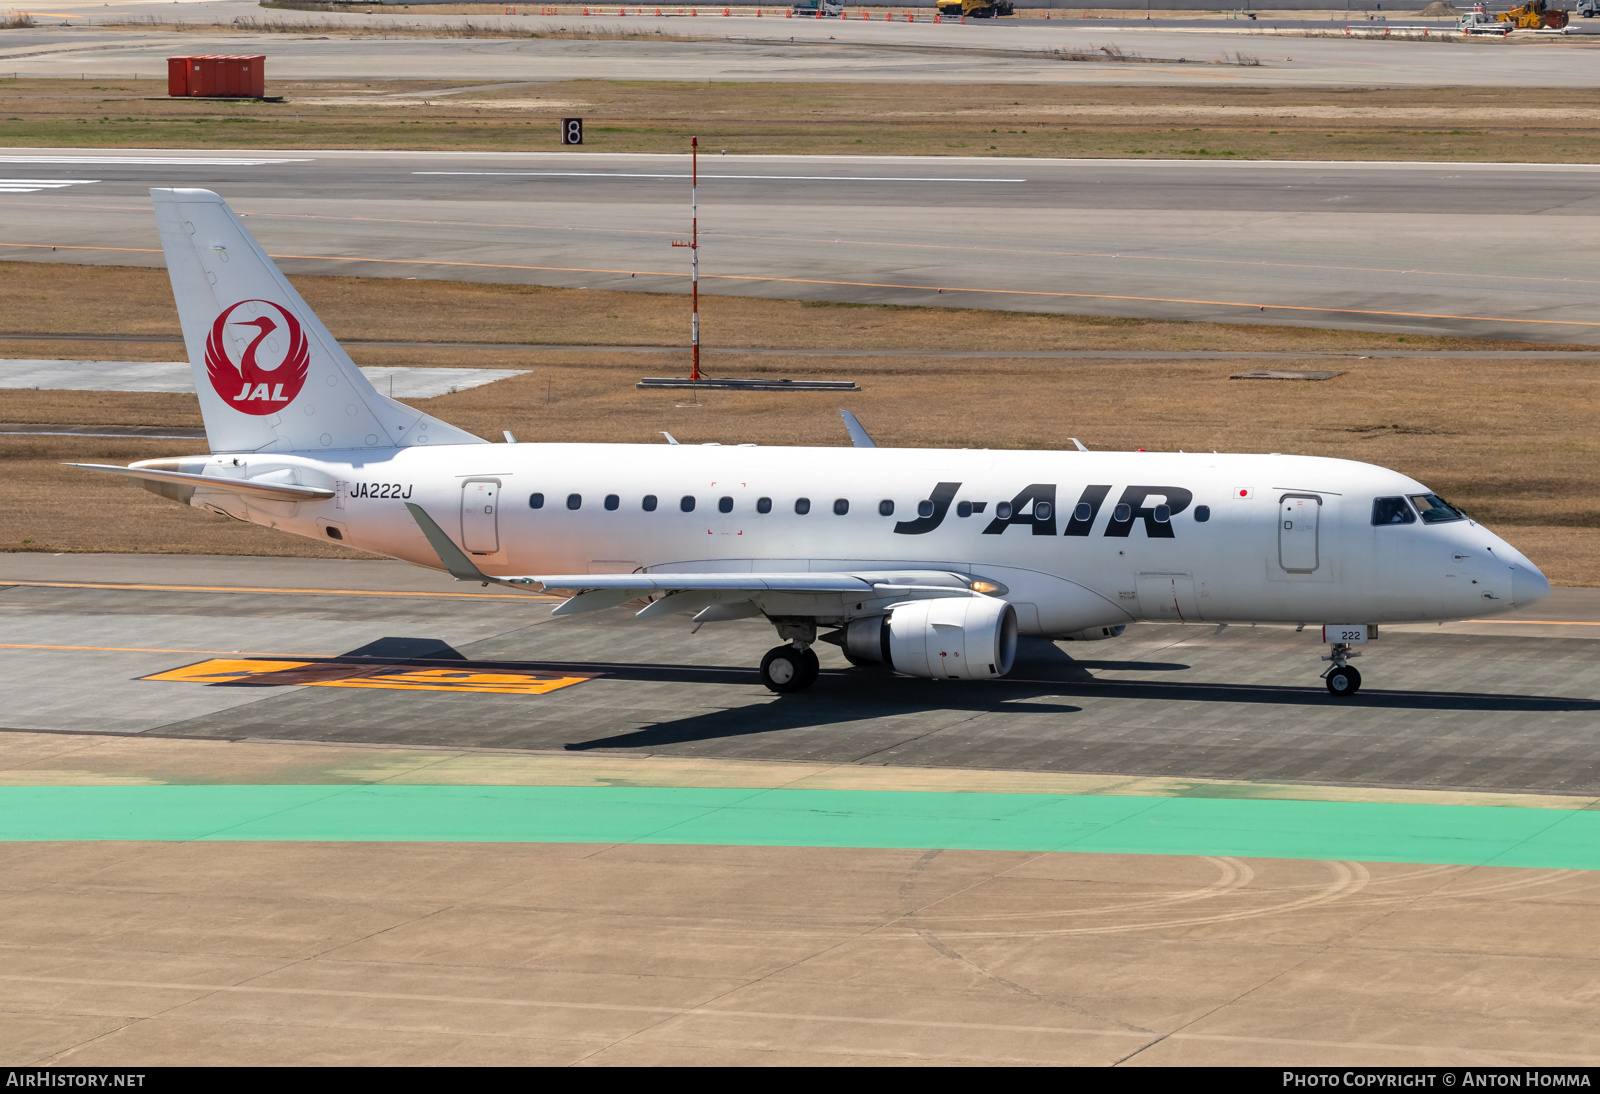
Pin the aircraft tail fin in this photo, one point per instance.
(269, 375)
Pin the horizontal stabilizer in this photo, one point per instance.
(271, 491)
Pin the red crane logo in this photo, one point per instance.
(257, 373)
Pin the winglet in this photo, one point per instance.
(1079, 443)
(858, 435)
(455, 561)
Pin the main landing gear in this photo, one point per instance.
(1341, 678)
(789, 668)
(793, 665)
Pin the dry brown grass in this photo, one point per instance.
(1556, 125)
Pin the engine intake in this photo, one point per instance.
(949, 638)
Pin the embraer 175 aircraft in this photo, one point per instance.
(929, 561)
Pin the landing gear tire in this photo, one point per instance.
(787, 669)
(1344, 682)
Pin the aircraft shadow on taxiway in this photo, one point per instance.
(1043, 669)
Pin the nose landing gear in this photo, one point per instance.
(1341, 678)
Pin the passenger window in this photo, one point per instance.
(1202, 513)
(924, 509)
(1163, 514)
(1083, 512)
(802, 506)
(886, 508)
(1392, 511)
(724, 505)
(1042, 510)
(963, 508)
(535, 501)
(612, 501)
(763, 505)
(1435, 510)
(574, 501)
(1122, 514)
(841, 506)
(649, 503)
(686, 503)
(1003, 511)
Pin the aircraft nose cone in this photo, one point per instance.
(1528, 585)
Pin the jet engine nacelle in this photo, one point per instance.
(949, 638)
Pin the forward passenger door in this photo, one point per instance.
(1299, 518)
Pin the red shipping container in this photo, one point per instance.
(177, 75)
(255, 76)
(229, 82)
(203, 76)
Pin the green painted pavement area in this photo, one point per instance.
(1251, 828)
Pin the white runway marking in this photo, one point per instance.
(162, 161)
(32, 186)
(708, 175)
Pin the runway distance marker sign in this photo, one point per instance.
(351, 674)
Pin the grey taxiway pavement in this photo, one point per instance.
(1509, 704)
(1201, 54)
(1371, 245)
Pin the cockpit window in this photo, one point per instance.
(1392, 511)
(1435, 510)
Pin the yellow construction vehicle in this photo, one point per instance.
(989, 9)
(1534, 15)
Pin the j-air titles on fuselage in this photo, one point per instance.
(1035, 507)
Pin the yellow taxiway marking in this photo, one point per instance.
(121, 649)
(349, 674)
(254, 589)
(937, 289)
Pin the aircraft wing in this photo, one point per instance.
(689, 591)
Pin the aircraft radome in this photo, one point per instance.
(930, 561)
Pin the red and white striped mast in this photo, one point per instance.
(694, 256)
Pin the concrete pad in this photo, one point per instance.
(301, 953)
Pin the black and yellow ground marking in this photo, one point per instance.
(358, 674)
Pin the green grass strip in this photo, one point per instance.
(1361, 831)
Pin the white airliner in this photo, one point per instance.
(929, 561)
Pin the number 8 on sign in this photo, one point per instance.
(571, 130)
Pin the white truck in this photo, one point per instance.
(1478, 21)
